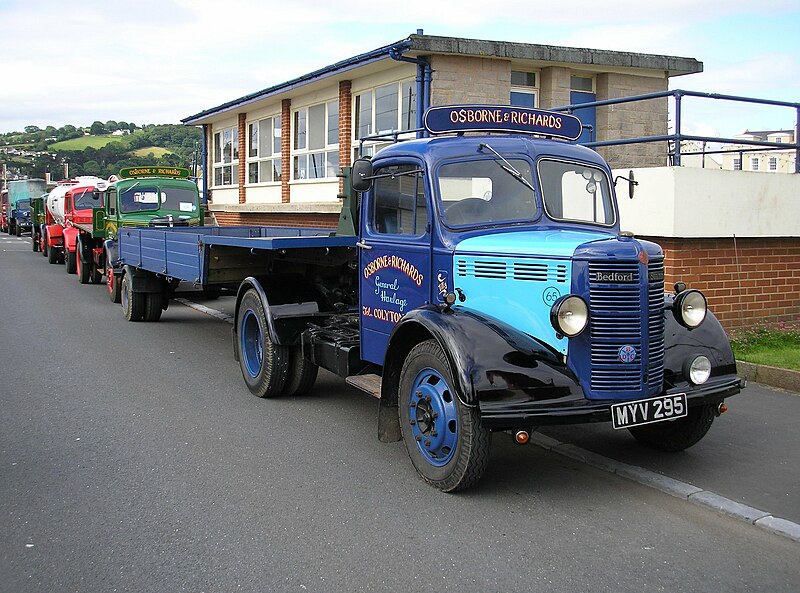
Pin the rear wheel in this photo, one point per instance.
(34, 241)
(132, 302)
(153, 306)
(676, 435)
(264, 364)
(445, 439)
(18, 231)
(302, 373)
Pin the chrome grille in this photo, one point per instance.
(617, 306)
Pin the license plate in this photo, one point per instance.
(648, 411)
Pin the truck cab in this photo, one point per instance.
(21, 216)
(498, 291)
(140, 197)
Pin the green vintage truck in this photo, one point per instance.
(140, 197)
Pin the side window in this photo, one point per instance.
(112, 202)
(399, 207)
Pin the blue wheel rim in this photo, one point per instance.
(252, 344)
(433, 417)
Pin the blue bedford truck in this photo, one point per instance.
(480, 284)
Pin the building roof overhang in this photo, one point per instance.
(418, 45)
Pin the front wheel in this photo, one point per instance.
(676, 435)
(132, 302)
(112, 282)
(34, 242)
(84, 267)
(445, 439)
(70, 260)
(18, 231)
(264, 364)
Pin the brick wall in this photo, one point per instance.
(746, 282)
(286, 148)
(345, 126)
(242, 156)
(271, 219)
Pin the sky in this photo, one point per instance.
(158, 61)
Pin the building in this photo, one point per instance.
(272, 157)
(754, 158)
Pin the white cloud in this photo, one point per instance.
(160, 60)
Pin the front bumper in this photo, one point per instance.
(575, 409)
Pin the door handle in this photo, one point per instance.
(363, 245)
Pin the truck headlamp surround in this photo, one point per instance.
(697, 370)
(690, 308)
(569, 315)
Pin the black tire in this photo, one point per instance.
(153, 306)
(52, 253)
(302, 373)
(34, 242)
(132, 302)
(676, 435)
(95, 275)
(12, 227)
(84, 268)
(70, 260)
(264, 364)
(445, 439)
(113, 284)
(18, 230)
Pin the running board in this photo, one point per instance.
(368, 383)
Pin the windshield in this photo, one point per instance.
(179, 198)
(23, 204)
(139, 198)
(485, 191)
(86, 198)
(576, 192)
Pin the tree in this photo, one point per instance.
(97, 128)
(111, 125)
(32, 129)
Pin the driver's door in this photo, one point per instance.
(395, 254)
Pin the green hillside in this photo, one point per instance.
(86, 141)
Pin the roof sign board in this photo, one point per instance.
(449, 119)
(178, 172)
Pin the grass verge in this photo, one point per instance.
(773, 346)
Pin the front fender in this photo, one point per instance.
(682, 344)
(70, 238)
(289, 304)
(490, 361)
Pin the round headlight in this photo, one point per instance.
(698, 370)
(569, 315)
(690, 308)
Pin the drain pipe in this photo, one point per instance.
(423, 78)
(204, 162)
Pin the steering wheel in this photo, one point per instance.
(467, 211)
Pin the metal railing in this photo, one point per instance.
(675, 139)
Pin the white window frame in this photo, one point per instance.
(406, 113)
(737, 164)
(223, 163)
(307, 162)
(773, 163)
(261, 157)
(754, 163)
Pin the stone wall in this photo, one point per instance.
(632, 120)
(464, 79)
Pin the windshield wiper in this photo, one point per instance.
(508, 167)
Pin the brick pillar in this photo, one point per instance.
(345, 127)
(242, 157)
(286, 148)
